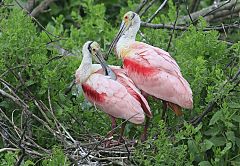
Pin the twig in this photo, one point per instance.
(148, 6)
(190, 17)
(109, 158)
(233, 11)
(8, 149)
(44, 29)
(158, 10)
(142, 4)
(14, 99)
(209, 12)
(174, 25)
(183, 28)
(30, 5)
(13, 68)
(18, 130)
(41, 7)
(194, 6)
(23, 150)
(101, 141)
(69, 88)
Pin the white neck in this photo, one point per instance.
(85, 69)
(128, 37)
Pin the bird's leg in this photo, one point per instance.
(164, 110)
(124, 122)
(110, 134)
(144, 135)
(114, 124)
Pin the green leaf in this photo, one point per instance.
(206, 145)
(227, 148)
(231, 136)
(28, 163)
(218, 141)
(213, 131)
(238, 142)
(218, 115)
(205, 163)
(236, 118)
(192, 147)
(196, 129)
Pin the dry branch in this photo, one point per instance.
(141, 5)
(183, 28)
(30, 5)
(212, 12)
(147, 7)
(158, 10)
(194, 5)
(41, 7)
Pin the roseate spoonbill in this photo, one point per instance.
(152, 69)
(110, 89)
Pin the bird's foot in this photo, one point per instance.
(133, 142)
(143, 137)
(111, 143)
(121, 140)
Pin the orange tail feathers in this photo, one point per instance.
(176, 108)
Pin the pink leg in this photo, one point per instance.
(113, 126)
(110, 134)
(144, 135)
(164, 109)
(120, 140)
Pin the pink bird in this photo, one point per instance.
(152, 69)
(110, 89)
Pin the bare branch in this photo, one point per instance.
(146, 9)
(212, 12)
(41, 26)
(183, 28)
(30, 5)
(194, 5)
(141, 5)
(158, 10)
(174, 25)
(8, 149)
(20, 145)
(41, 7)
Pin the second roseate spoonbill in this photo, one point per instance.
(152, 69)
(110, 89)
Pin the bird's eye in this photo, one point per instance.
(126, 17)
(94, 49)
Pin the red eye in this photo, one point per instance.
(126, 17)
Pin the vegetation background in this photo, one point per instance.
(40, 49)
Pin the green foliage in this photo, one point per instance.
(8, 159)
(204, 62)
(161, 150)
(57, 158)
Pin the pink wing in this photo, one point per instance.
(131, 88)
(157, 73)
(155, 57)
(123, 79)
(113, 98)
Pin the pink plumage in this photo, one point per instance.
(155, 72)
(120, 98)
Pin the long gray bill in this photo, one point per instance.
(115, 40)
(106, 68)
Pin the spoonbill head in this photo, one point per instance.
(128, 29)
